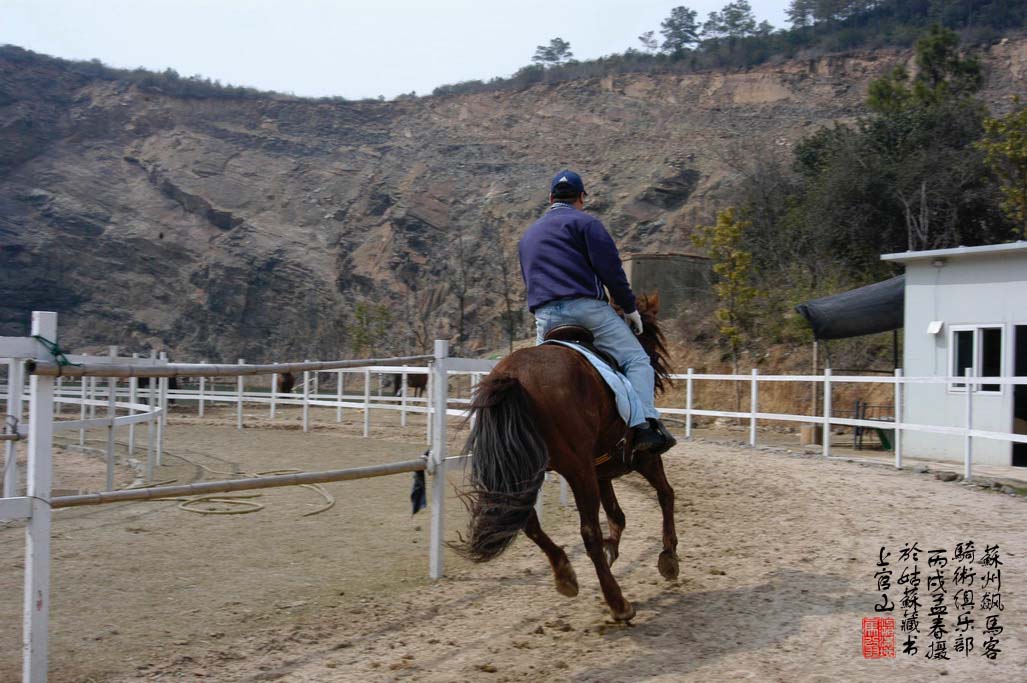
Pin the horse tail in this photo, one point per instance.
(508, 465)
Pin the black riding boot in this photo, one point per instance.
(653, 439)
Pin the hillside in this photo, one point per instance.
(227, 228)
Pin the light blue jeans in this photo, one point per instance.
(612, 335)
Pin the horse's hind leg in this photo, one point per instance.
(563, 572)
(586, 495)
(652, 469)
(614, 518)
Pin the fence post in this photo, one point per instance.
(133, 396)
(37, 531)
(367, 402)
(827, 413)
(112, 410)
(203, 389)
(274, 395)
(437, 415)
(15, 380)
(342, 391)
(239, 389)
(317, 387)
(968, 447)
(898, 418)
(92, 397)
(306, 398)
(688, 404)
(427, 407)
(83, 410)
(162, 403)
(338, 396)
(151, 428)
(753, 394)
(563, 491)
(475, 378)
(58, 393)
(403, 400)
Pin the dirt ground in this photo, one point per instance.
(778, 557)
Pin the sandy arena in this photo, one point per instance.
(778, 555)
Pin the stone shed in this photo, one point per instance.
(682, 280)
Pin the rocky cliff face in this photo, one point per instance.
(252, 228)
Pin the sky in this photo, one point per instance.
(343, 47)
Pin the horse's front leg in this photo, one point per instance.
(586, 494)
(563, 572)
(614, 519)
(652, 469)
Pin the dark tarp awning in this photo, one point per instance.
(867, 310)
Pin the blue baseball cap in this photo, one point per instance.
(567, 177)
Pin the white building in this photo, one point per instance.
(966, 308)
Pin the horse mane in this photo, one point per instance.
(654, 342)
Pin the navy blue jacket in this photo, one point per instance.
(567, 254)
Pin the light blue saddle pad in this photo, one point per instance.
(628, 405)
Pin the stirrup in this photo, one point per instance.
(657, 440)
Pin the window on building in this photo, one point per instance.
(991, 356)
(979, 350)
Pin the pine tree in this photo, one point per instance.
(734, 20)
(732, 265)
(943, 75)
(679, 30)
(800, 13)
(557, 52)
(649, 42)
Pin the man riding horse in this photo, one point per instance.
(567, 257)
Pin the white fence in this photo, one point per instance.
(35, 355)
(89, 395)
(828, 381)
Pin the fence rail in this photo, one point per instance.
(49, 369)
(827, 419)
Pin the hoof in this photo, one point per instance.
(668, 565)
(610, 548)
(626, 614)
(566, 581)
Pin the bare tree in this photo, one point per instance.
(917, 219)
(420, 315)
(511, 313)
(459, 282)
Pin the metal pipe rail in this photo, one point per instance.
(49, 369)
(221, 486)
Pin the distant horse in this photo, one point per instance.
(546, 408)
(286, 381)
(416, 381)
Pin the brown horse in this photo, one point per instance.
(286, 381)
(546, 408)
(418, 382)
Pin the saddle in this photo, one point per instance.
(576, 334)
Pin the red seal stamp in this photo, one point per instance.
(878, 637)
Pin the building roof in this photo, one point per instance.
(955, 252)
